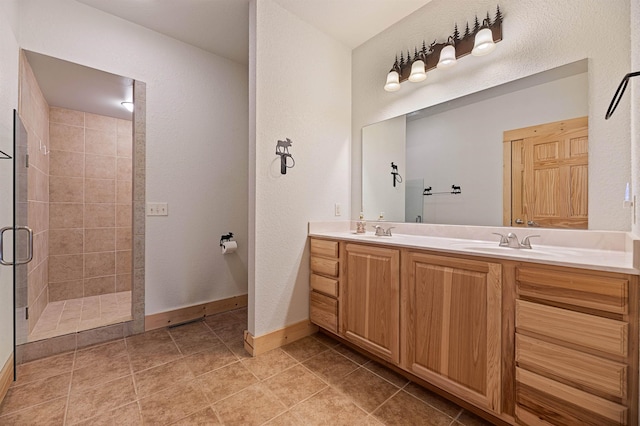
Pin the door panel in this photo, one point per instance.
(549, 175)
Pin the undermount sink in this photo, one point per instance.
(495, 249)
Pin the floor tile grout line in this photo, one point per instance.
(68, 403)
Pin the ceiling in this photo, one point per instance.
(222, 26)
(217, 26)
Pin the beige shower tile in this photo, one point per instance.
(124, 146)
(40, 186)
(123, 282)
(99, 285)
(100, 122)
(63, 137)
(99, 215)
(63, 163)
(65, 290)
(65, 267)
(123, 193)
(99, 166)
(123, 261)
(124, 215)
(66, 116)
(99, 264)
(125, 127)
(66, 189)
(100, 142)
(123, 238)
(66, 241)
(99, 190)
(124, 169)
(65, 215)
(99, 240)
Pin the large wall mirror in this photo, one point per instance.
(453, 160)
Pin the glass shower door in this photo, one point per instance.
(22, 235)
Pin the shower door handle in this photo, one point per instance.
(29, 246)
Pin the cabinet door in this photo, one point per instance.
(453, 332)
(371, 300)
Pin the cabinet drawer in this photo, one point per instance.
(559, 404)
(324, 285)
(581, 370)
(324, 248)
(603, 334)
(324, 311)
(608, 294)
(324, 266)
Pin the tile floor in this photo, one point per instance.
(199, 374)
(71, 316)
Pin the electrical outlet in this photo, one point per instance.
(338, 209)
(157, 209)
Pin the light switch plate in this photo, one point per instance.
(157, 209)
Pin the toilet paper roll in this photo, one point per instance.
(229, 247)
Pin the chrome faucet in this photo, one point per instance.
(511, 240)
(381, 232)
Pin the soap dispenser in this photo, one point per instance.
(361, 225)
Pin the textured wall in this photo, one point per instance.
(307, 99)
(196, 144)
(538, 35)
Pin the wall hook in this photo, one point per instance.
(282, 149)
(396, 176)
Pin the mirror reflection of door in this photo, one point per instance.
(546, 175)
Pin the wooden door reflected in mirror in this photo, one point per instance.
(546, 175)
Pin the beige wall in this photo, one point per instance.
(90, 205)
(34, 112)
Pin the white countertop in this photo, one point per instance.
(612, 260)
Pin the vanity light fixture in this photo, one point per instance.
(127, 105)
(448, 55)
(479, 41)
(393, 78)
(418, 70)
(484, 43)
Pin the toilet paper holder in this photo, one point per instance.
(225, 238)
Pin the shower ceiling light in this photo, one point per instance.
(478, 41)
(127, 105)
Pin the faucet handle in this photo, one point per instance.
(525, 241)
(503, 239)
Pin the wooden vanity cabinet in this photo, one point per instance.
(576, 347)
(324, 283)
(370, 310)
(452, 329)
(529, 344)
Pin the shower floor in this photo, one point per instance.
(71, 316)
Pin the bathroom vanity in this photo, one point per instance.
(538, 336)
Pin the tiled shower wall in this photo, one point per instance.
(90, 204)
(34, 113)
